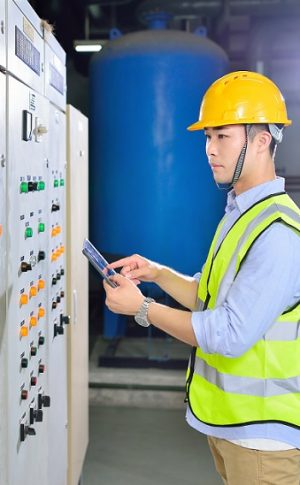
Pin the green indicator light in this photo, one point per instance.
(24, 187)
(41, 227)
(41, 185)
(56, 183)
(28, 232)
(62, 182)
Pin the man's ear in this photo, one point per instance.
(263, 140)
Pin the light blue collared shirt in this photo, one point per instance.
(267, 283)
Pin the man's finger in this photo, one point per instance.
(119, 263)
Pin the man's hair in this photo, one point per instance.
(257, 128)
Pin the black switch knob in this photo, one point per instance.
(53, 281)
(55, 207)
(24, 363)
(54, 305)
(58, 330)
(62, 294)
(41, 255)
(26, 430)
(25, 267)
(41, 369)
(30, 431)
(43, 401)
(62, 271)
(64, 319)
(30, 186)
(58, 299)
(58, 276)
(35, 415)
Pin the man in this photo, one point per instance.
(243, 381)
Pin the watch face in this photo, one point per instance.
(142, 321)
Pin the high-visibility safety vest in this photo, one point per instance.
(263, 384)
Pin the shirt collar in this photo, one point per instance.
(245, 200)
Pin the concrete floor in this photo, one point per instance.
(138, 432)
(132, 446)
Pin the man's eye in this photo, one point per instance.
(207, 136)
(221, 136)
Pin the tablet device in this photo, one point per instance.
(98, 261)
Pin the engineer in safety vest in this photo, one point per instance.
(243, 309)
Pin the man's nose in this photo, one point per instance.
(211, 147)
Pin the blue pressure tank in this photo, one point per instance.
(151, 188)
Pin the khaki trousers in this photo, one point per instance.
(243, 466)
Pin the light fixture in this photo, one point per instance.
(88, 45)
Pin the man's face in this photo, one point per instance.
(223, 147)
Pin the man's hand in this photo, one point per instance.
(137, 269)
(126, 299)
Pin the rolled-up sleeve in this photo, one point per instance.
(266, 285)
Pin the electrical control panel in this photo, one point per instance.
(58, 319)
(3, 326)
(2, 34)
(25, 44)
(27, 303)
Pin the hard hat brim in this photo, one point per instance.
(200, 125)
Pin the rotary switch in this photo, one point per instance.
(26, 430)
(43, 401)
(35, 415)
(58, 330)
(25, 267)
(64, 319)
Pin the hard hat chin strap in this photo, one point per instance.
(239, 164)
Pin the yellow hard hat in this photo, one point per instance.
(241, 97)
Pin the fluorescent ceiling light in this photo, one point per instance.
(88, 45)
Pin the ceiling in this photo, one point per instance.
(228, 22)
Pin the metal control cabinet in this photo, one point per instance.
(77, 280)
(35, 401)
(34, 321)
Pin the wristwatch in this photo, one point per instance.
(141, 316)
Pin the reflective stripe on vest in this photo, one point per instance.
(263, 384)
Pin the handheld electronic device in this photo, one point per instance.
(98, 261)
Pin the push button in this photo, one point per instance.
(41, 284)
(41, 227)
(33, 321)
(23, 331)
(28, 232)
(24, 187)
(33, 291)
(41, 340)
(41, 312)
(41, 255)
(23, 299)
